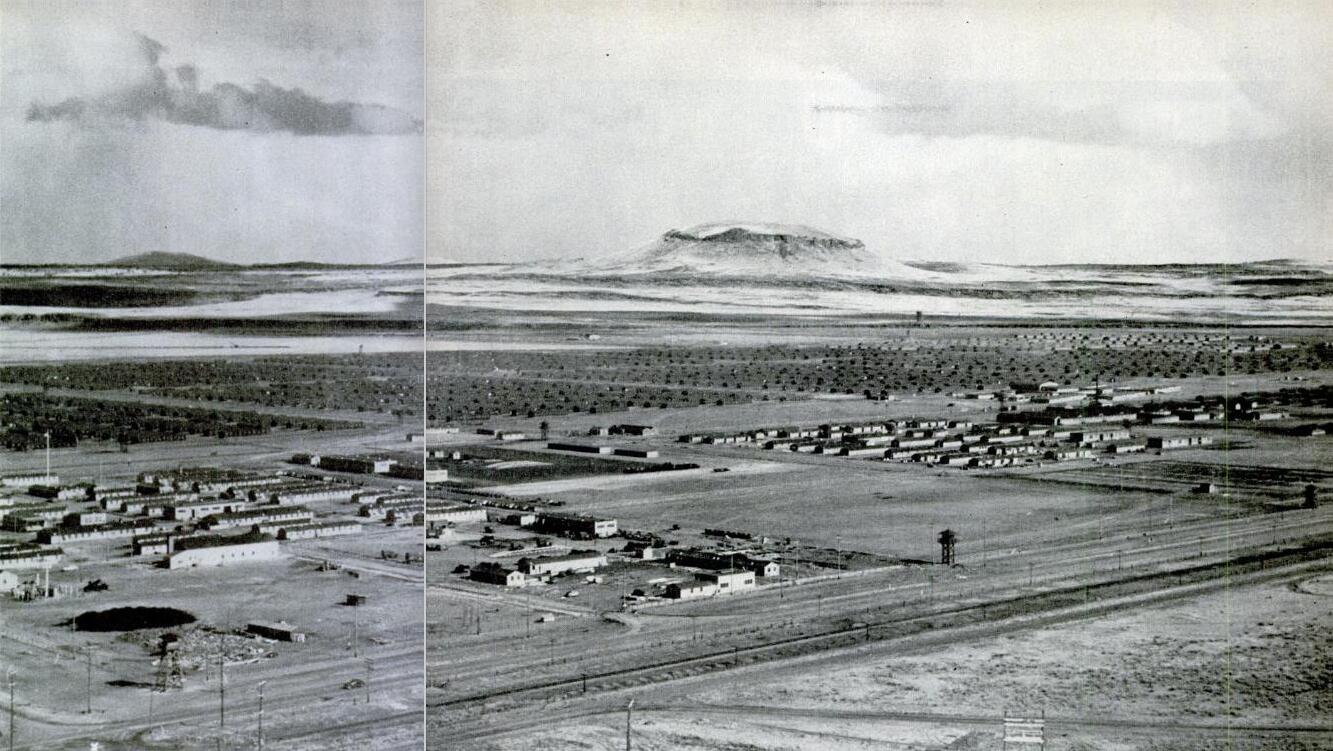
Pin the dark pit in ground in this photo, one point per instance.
(131, 619)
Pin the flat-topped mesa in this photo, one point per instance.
(784, 234)
(752, 249)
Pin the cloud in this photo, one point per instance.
(174, 96)
(950, 131)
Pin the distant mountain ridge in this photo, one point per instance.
(752, 249)
(174, 261)
(159, 260)
(742, 251)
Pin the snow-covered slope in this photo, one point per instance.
(754, 249)
(789, 269)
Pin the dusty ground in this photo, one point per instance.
(54, 685)
(889, 509)
(1227, 670)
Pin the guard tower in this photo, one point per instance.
(947, 539)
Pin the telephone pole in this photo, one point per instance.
(261, 715)
(983, 543)
(88, 653)
(222, 692)
(629, 714)
(9, 673)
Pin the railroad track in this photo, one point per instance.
(1008, 613)
(848, 598)
(289, 689)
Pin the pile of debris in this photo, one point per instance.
(202, 646)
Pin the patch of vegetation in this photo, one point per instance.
(131, 618)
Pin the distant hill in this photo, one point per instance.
(753, 249)
(174, 261)
(759, 253)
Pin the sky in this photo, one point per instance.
(244, 130)
(1001, 132)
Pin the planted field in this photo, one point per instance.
(375, 383)
(482, 465)
(1176, 476)
(30, 418)
(466, 386)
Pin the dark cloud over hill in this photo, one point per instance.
(174, 96)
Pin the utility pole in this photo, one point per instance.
(983, 543)
(48, 455)
(367, 681)
(88, 653)
(356, 630)
(629, 714)
(222, 692)
(261, 715)
(9, 673)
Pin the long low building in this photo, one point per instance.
(1064, 455)
(159, 543)
(279, 631)
(308, 493)
(429, 473)
(1099, 436)
(494, 573)
(437, 513)
(395, 507)
(147, 505)
(1179, 442)
(579, 561)
(638, 453)
(318, 529)
(582, 448)
(186, 511)
(209, 550)
(713, 583)
(251, 517)
(723, 561)
(365, 465)
(30, 557)
(430, 434)
(575, 525)
(25, 481)
(30, 517)
(110, 530)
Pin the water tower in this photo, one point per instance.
(947, 539)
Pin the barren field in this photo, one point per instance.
(301, 676)
(889, 509)
(1242, 668)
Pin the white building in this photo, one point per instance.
(225, 554)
